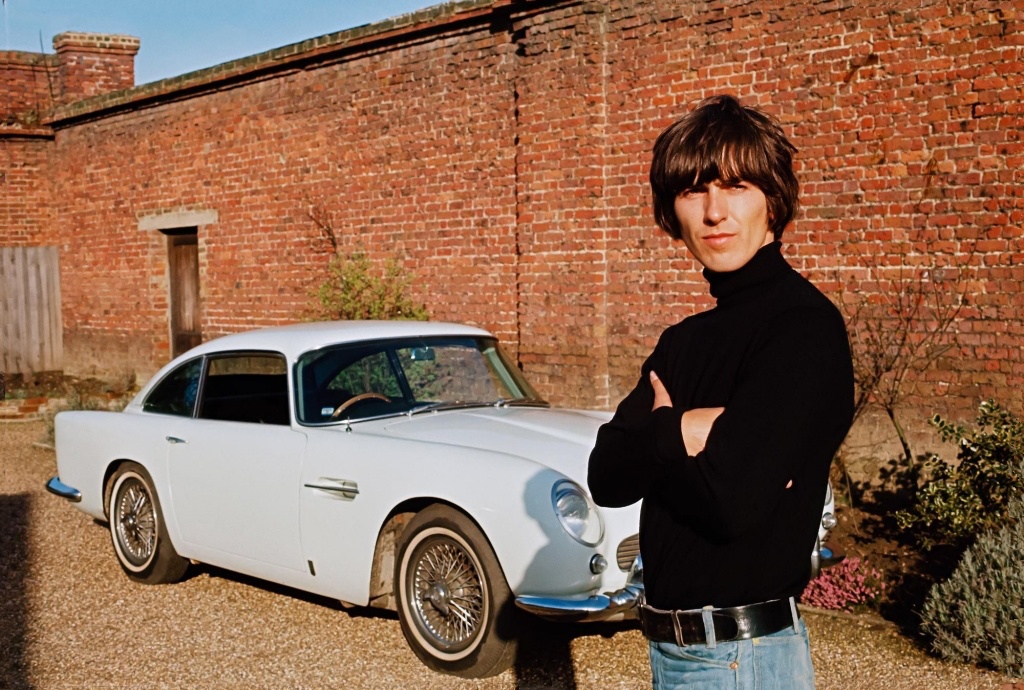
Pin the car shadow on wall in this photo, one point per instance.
(14, 512)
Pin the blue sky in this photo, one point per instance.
(180, 36)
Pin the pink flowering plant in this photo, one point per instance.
(845, 587)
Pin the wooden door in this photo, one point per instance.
(183, 262)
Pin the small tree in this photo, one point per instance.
(355, 288)
(352, 290)
(897, 333)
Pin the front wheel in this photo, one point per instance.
(454, 605)
(137, 529)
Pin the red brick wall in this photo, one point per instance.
(25, 147)
(28, 80)
(32, 85)
(410, 152)
(504, 160)
(25, 191)
(562, 208)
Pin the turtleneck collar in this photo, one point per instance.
(766, 266)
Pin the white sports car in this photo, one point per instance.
(402, 465)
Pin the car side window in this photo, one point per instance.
(176, 393)
(246, 387)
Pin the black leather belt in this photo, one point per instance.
(737, 623)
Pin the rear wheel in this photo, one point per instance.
(455, 607)
(137, 529)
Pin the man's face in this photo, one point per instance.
(723, 223)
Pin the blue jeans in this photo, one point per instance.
(780, 661)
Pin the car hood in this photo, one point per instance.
(559, 439)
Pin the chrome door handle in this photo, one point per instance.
(175, 439)
(341, 487)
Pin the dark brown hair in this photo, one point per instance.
(722, 139)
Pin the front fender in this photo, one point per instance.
(508, 496)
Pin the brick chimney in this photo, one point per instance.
(94, 64)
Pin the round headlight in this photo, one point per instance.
(577, 513)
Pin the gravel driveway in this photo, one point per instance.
(70, 619)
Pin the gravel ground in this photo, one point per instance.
(70, 619)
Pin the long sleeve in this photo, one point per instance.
(792, 404)
(633, 445)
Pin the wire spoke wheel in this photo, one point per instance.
(449, 593)
(135, 522)
(137, 528)
(455, 607)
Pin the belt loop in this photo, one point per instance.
(709, 627)
(796, 616)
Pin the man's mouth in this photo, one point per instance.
(717, 239)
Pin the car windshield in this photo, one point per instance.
(381, 378)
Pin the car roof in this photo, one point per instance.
(297, 338)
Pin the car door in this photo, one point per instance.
(350, 477)
(234, 470)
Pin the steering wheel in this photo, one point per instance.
(358, 398)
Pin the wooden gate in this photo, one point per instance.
(31, 332)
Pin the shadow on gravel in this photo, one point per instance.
(13, 599)
(544, 657)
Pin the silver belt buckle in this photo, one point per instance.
(677, 628)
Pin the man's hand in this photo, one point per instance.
(696, 423)
(661, 396)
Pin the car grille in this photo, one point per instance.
(629, 549)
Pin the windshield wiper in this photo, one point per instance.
(521, 402)
(448, 405)
(464, 404)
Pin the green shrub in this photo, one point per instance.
(959, 501)
(354, 290)
(977, 616)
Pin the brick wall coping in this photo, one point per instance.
(99, 43)
(15, 59)
(334, 46)
(17, 131)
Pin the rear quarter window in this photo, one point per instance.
(176, 393)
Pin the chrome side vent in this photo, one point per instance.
(629, 549)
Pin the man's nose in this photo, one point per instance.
(716, 206)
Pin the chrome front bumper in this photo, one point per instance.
(57, 487)
(618, 605)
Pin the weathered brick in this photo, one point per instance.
(502, 156)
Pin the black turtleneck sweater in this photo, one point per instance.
(720, 528)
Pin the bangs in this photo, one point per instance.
(723, 154)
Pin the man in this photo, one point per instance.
(730, 432)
